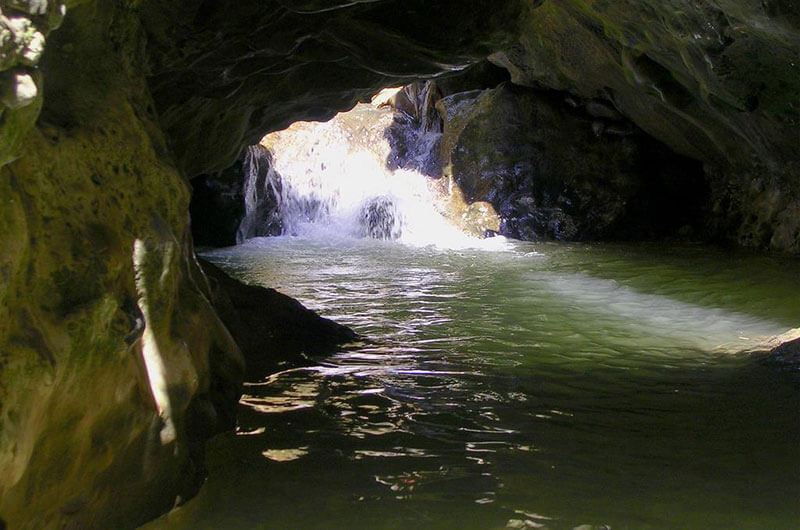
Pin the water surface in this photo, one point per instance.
(517, 386)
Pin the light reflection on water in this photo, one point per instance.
(545, 386)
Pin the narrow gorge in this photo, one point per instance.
(545, 252)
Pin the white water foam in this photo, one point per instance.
(332, 180)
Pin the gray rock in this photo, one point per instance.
(599, 109)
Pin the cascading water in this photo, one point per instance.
(252, 190)
(361, 174)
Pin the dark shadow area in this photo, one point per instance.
(217, 207)
(672, 199)
(219, 212)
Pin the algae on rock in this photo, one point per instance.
(115, 367)
(716, 81)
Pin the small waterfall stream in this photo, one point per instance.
(259, 186)
(363, 174)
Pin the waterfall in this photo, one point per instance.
(259, 195)
(365, 173)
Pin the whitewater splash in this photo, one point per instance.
(360, 175)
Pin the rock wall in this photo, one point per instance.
(114, 368)
(718, 81)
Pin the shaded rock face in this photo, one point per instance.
(271, 328)
(217, 207)
(715, 81)
(555, 172)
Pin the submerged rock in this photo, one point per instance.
(379, 219)
(271, 328)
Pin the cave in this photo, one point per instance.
(608, 337)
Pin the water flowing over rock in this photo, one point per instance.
(370, 172)
(510, 160)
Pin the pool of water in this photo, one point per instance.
(517, 385)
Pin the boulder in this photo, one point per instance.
(271, 328)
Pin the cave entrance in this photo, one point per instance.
(468, 156)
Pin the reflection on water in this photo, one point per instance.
(543, 386)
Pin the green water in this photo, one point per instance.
(528, 386)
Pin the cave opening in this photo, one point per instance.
(500, 159)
